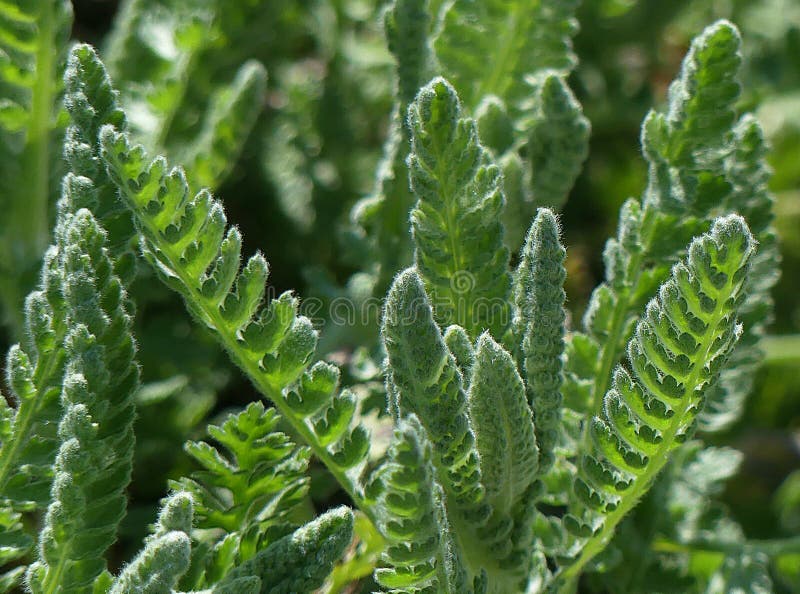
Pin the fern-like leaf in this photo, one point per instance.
(701, 99)
(456, 224)
(558, 141)
(28, 440)
(166, 552)
(92, 102)
(429, 385)
(156, 52)
(407, 25)
(425, 380)
(151, 55)
(539, 328)
(503, 426)
(93, 465)
(230, 117)
(677, 351)
(35, 367)
(250, 490)
(506, 443)
(382, 217)
(421, 555)
(689, 183)
(509, 62)
(185, 239)
(34, 376)
(298, 562)
(750, 196)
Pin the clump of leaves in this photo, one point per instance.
(521, 445)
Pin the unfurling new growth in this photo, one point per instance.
(521, 441)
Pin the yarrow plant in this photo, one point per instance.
(523, 443)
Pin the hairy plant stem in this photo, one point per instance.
(614, 344)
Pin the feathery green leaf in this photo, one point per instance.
(95, 456)
(165, 555)
(677, 351)
(456, 223)
(539, 327)
(558, 141)
(421, 555)
(428, 384)
(492, 47)
(249, 487)
(298, 562)
(503, 426)
(688, 186)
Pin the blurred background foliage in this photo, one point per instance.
(317, 138)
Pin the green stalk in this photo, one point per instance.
(771, 548)
(32, 214)
(612, 347)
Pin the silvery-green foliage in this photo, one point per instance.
(677, 350)
(491, 48)
(487, 515)
(92, 102)
(382, 216)
(95, 433)
(539, 327)
(166, 552)
(747, 573)
(750, 196)
(696, 156)
(508, 62)
(458, 236)
(36, 367)
(298, 562)
(269, 341)
(480, 359)
(422, 555)
(684, 506)
(426, 382)
(80, 347)
(557, 144)
(509, 455)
